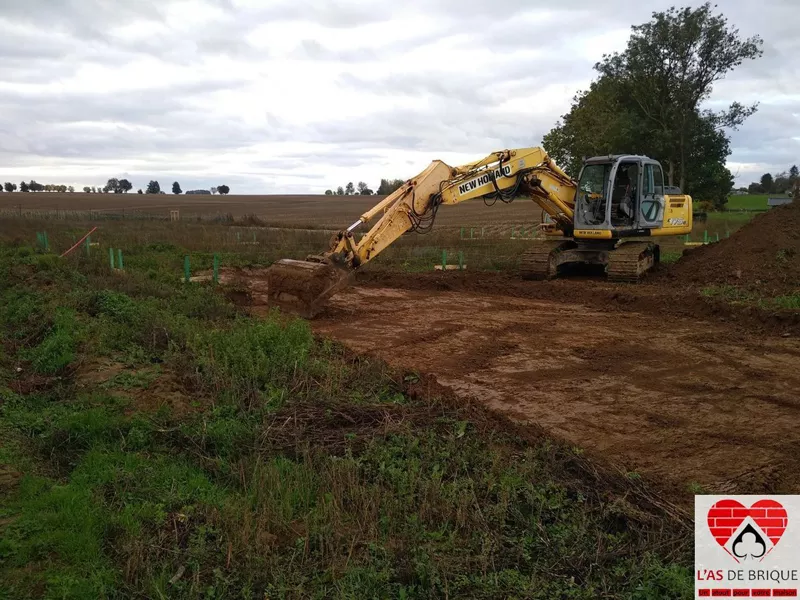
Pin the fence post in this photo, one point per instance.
(111, 257)
(460, 260)
(119, 259)
(216, 268)
(186, 269)
(444, 260)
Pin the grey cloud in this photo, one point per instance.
(166, 130)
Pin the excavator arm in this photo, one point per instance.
(304, 286)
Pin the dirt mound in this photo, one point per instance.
(762, 256)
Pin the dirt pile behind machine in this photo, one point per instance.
(762, 256)
(599, 219)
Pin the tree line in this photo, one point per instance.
(34, 186)
(781, 183)
(386, 187)
(112, 186)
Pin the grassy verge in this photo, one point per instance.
(738, 296)
(156, 443)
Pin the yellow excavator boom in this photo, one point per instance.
(304, 286)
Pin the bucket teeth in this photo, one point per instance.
(303, 286)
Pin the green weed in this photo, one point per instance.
(300, 471)
(57, 350)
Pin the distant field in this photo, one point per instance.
(295, 210)
(749, 201)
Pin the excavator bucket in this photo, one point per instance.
(303, 286)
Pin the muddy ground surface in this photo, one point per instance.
(674, 398)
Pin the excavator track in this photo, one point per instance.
(541, 260)
(631, 260)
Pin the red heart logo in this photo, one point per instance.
(726, 515)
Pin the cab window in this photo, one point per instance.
(653, 181)
(592, 191)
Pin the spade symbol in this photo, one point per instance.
(749, 542)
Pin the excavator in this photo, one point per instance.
(599, 219)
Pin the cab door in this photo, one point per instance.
(651, 206)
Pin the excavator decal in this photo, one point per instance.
(474, 184)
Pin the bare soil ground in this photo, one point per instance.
(656, 377)
(295, 210)
(674, 398)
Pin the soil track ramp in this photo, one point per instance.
(672, 397)
(763, 256)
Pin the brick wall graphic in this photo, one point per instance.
(747, 533)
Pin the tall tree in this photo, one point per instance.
(329, 192)
(23, 186)
(767, 183)
(86, 189)
(112, 185)
(793, 173)
(10, 187)
(363, 189)
(153, 187)
(125, 186)
(223, 189)
(388, 186)
(670, 66)
(340, 191)
(176, 188)
(349, 189)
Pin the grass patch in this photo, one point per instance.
(303, 472)
(747, 202)
(735, 295)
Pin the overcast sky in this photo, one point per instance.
(296, 96)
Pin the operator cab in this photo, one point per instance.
(620, 193)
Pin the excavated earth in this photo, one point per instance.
(686, 399)
(653, 378)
